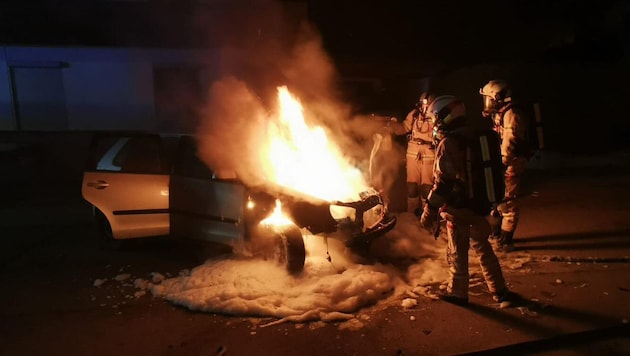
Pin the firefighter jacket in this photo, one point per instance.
(418, 131)
(511, 126)
(449, 171)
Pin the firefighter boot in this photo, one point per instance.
(495, 221)
(414, 206)
(505, 241)
(495, 233)
(449, 298)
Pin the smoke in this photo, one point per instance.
(274, 50)
(227, 134)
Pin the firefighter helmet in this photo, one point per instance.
(447, 113)
(495, 95)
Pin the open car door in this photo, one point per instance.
(204, 204)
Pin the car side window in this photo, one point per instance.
(107, 149)
(129, 155)
(139, 155)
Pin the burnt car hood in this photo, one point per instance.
(368, 217)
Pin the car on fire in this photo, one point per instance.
(142, 185)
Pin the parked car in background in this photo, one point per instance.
(143, 185)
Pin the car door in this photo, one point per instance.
(127, 180)
(204, 204)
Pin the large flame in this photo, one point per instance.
(302, 158)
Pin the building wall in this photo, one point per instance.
(56, 89)
(6, 111)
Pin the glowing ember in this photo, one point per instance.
(302, 158)
(277, 218)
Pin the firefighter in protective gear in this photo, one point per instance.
(511, 126)
(419, 156)
(465, 227)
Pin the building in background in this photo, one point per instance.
(119, 65)
(82, 89)
(146, 65)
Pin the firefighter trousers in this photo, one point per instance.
(419, 161)
(509, 210)
(467, 230)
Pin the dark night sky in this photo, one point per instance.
(466, 31)
(452, 31)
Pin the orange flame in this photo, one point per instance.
(302, 158)
(277, 217)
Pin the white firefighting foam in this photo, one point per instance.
(326, 290)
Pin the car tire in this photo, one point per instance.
(292, 251)
(105, 235)
(282, 244)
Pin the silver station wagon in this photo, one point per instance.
(143, 185)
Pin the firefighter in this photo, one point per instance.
(449, 199)
(510, 124)
(420, 156)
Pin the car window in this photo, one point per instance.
(108, 149)
(141, 154)
(168, 150)
(187, 163)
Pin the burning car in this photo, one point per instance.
(143, 185)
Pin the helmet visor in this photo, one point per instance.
(489, 104)
(422, 105)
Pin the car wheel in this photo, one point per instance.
(291, 247)
(283, 244)
(106, 238)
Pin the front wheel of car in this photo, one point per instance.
(106, 238)
(293, 252)
(283, 244)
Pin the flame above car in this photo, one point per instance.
(303, 159)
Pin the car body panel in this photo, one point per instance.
(207, 209)
(204, 204)
(127, 181)
(135, 205)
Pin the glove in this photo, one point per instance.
(429, 218)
